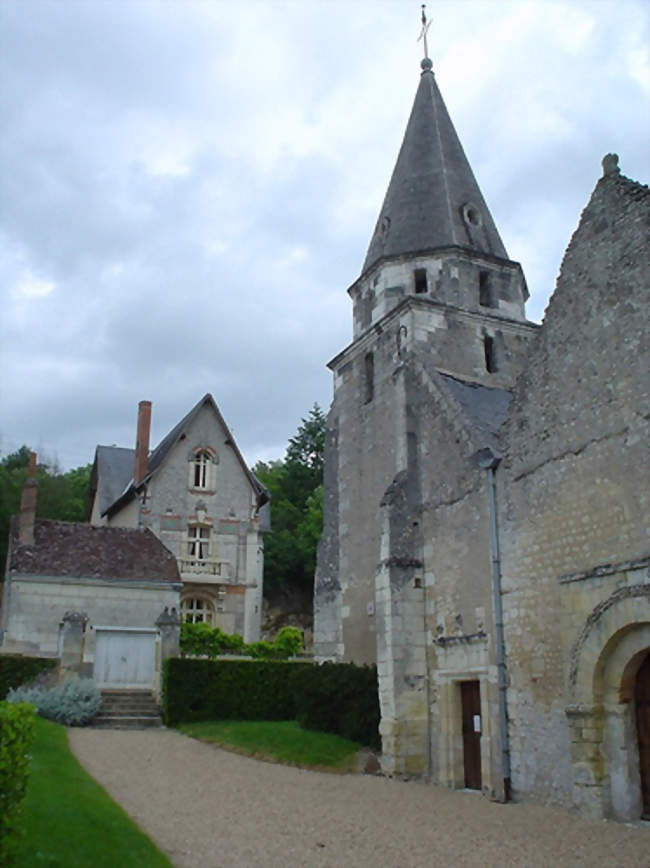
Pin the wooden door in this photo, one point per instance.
(125, 658)
(470, 694)
(642, 701)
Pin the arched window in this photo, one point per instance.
(202, 474)
(201, 465)
(197, 610)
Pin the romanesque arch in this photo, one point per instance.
(604, 661)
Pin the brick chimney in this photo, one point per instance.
(141, 467)
(28, 504)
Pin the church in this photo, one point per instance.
(486, 491)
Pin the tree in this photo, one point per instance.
(60, 495)
(295, 485)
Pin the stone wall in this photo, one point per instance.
(573, 500)
(38, 604)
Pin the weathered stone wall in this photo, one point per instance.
(37, 606)
(452, 278)
(573, 495)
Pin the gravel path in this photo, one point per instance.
(208, 808)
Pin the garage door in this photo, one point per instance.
(125, 657)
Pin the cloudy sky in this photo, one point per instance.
(188, 188)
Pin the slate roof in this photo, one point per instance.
(127, 491)
(431, 184)
(484, 407)
(114, 473)
(64, 548)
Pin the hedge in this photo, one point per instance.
(16, 670)
(341, 698)
(228, 690)
(334, 697)
(16, 735)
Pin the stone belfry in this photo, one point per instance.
(439, 338)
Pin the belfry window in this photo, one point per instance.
(488, 350)
(420, 279)
(369, 377)
(485, 292)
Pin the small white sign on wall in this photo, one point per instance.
(477, 723)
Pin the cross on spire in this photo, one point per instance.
(423, 34)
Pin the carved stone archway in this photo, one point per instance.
(603, 666)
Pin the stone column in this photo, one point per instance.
(169, 626)
(72, 642)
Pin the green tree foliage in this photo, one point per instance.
(295, 485)
(61, 496)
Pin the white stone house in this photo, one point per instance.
(195, 492)
(88, 595)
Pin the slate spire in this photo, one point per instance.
(433, 200)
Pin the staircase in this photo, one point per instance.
(127, 709)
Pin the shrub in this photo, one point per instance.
(201, 640)
(73, 702)
(341, 698)
(228, 690)
(16, 734)
(16, 670)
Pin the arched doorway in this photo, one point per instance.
(642, 703)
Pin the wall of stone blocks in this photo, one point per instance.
(573, 495)
(38, 605)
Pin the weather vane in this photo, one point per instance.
(423, 33)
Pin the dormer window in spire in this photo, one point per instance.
(471, 215)
(420, 280)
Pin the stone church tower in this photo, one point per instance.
(486, 491)
(404, 571)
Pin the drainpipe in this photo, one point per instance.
(489, 461)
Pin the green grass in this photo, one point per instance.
(278, 741)
(70, 821)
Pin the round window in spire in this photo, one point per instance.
(472, 215)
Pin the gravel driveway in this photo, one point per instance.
(208, 808)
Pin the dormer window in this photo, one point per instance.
(202, 469)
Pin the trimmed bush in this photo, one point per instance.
(228, 690)
(341, 698)
(73, 703)
(16, 670)
(201, 640)
(16, 735)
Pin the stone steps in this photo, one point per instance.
(128, 709)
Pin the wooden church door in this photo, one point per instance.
(470, 694)
(642, 701)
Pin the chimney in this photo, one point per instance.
(141, 467)
(28, 504)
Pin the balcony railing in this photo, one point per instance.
(205, 569)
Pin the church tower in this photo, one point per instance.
(439, 337)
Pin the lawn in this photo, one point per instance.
(70, 821)
(279, 741)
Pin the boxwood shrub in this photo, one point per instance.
(341, 698)
(16, 734)
(228, 690)
(16, 670)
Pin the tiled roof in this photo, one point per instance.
(485, 408)
(81, 550)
